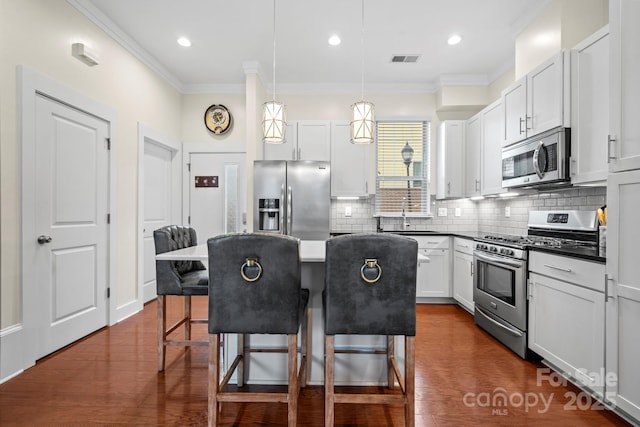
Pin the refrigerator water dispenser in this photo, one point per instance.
(269, 210)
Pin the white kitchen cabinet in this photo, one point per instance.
(491, 153)
(623, 291)
(304, 140)
(472, 160)
(624, 145)
(538, 101)
(590, 109)
(449, 160)
(566, 316)
(433, 276)
(349, 163)
(463, 272)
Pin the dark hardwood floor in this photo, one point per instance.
(463, 378)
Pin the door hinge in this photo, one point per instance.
(189, 167)
(189, 219)
(108, 292)
(108, 143)
(108, 218)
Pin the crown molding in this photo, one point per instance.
(87, 9)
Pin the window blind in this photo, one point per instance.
(400, 185)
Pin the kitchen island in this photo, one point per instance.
(271, 368)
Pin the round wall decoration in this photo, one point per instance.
(217, 119)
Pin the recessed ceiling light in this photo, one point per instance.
(454, 39)
(334, 40)
(183, 41)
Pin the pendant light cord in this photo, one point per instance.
(274, 51)
(362, 53)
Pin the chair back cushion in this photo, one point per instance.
(377, 297)
(171, 275)
(267, 300)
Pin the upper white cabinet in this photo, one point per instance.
(473, 141)
(624, 146)
(537, 102)
(304, 140)
(349, 163)
(450, 160)
(491, 163)
(590, 109)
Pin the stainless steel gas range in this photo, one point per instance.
(500, 263)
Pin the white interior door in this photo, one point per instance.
(72, 188)
(217, 194)
(158, 193)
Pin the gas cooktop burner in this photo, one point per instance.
(522, 241)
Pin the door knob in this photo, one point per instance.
(42, 239)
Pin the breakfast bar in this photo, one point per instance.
(271, 368)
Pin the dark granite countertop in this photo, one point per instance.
(590, 253)
(463, 234)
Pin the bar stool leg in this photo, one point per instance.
(241, 353)
(292, 398)
(214, 379)
(329, 397)
(187, 316)
(391, 351)
(409, 381)
(162, 331)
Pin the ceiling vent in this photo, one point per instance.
(405, 58)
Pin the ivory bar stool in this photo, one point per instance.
(181, 278)
(370, 289)
(254, 288)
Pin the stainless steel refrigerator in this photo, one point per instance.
(292, 197)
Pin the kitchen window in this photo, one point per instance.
(403, 168)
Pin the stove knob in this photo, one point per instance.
(510, 252)
(485, 247)
(478, 246)
(493, 249)
(503, 251)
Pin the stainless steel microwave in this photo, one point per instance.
(539, 160)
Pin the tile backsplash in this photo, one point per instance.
(491, 215)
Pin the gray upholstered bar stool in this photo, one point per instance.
(182, 278)
(370, 289)
(254, 288)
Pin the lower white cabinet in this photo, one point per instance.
(623, 290)
(566, 316)
(434, 276)
(463, 272)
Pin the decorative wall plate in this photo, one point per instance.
(217, 119)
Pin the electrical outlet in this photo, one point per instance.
(347, 211)
(442, 211)
(457, 212)
(507, 212)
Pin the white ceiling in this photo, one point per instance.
(229, 35)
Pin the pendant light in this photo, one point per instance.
(362, 112)
(274, 124)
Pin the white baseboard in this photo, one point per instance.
(127, 310)
(13, 360)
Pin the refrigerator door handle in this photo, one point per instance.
(289, 209)
(282, 210)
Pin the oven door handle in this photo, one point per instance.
(536, 160)
(499, 261)
(513, 331)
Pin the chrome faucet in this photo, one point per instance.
(405, 221)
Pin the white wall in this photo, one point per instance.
(39, 34)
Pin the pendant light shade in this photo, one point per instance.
(362, 112)
(362, 123)
(274, 123)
